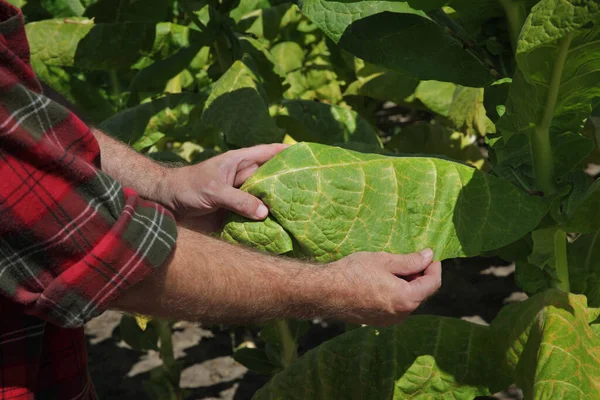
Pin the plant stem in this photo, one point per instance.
(116, 87)
(516, 14)
(288, 344)
(540, 137)
(562, 264)
(190, 12)
(165, 334)
(222, 51)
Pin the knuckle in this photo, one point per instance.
(246, 204)
(212, 186)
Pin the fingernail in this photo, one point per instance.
(427, 254)
(262, 211)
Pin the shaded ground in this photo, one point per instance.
(474, 289)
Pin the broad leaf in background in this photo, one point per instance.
(81, 43)
(309, 121)
(584, 267)
(432, 357)
(549, 347)
(372, 31)
(558, 54)
(63, 8)
(287, 56)
(584, 215)
(467, 112)
(130, 10)
(437, 139)
(159, 115)
(317, 79)
(381, 84)
(92, 101)
(238, 109)
(334, 202)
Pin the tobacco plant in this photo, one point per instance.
(537, 203)
(183, 80)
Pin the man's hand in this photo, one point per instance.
(209, 280)
(384, 289)
(202, 190)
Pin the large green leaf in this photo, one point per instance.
(90, 101)
(584, 267)
(437, 140)
(585, 214)
(549, 347)
(334, 202)
(83, 44)
(556, 83)
(425, 357)
(129, 10)
(238, 109)
(382, 84)
(63, 8)
(307, 120)
(372, 30)
(159, 115)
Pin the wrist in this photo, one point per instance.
(163, 188)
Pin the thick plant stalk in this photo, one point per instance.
(515, 15)
(562, 265)
(540, 138)
(289, 347)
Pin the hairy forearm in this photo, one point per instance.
(212, 281)
(128, 167)
(118, 159)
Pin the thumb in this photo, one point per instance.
(242, 203)
(409, 264)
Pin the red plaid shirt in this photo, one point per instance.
(71, 238)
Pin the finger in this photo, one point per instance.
(425, 286)
(244, 174)
(241, 203)
(257, 154)
(408, 264)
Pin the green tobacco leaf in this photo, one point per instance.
(530, 278)
(436, 96)
(467, 112)
(155, 77)
(255, 360)
(334, 202)
(436, 139)
(372, 30)
(317, 79)
(558, 54)
(135, 336)
(83, 44)
(543, 255)
(288, 56)
(584, 216)
(310, 121)
(584, 267)
(426, 356)
(78, 89)
(159, 115)
(550, 349)
(130, 11)
(238, 109)
(382, 84)
(63, 8)
(264, 67)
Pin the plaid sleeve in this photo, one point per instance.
(71, 238)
